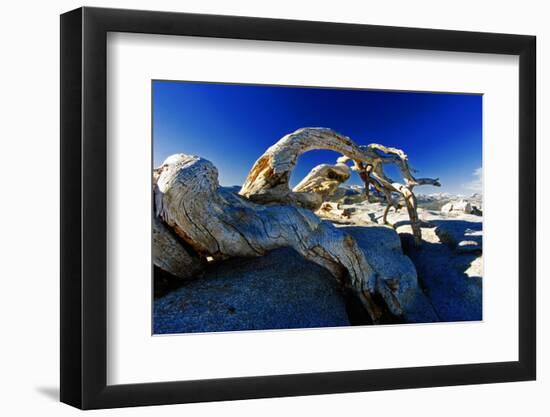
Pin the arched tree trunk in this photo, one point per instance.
(268, 180)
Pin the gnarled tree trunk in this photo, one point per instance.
(172, 255)
(218, 223)
(268, 180)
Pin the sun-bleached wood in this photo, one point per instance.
(215, 222)
(268, 180)
(324, 179)
(218, 223)
(171, 255)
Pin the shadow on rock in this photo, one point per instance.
(280, 290)
(442, 274)
(461, 235)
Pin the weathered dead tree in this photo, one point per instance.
(324, 179)
(195, 218)
(221, 224)
(268, 180)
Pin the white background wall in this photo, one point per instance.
(29, 219)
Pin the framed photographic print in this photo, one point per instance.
(257, 208)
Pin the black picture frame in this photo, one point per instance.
(84, 207)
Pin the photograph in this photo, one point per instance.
(294, 207)
(275, 208)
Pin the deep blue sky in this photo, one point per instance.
(232, 125)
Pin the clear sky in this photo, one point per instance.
(232, 125)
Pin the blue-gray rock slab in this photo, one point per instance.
(460, 234)
(451, 281)
(280, 290)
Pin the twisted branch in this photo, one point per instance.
(268, 180)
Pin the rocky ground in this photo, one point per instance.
(441, 280)
(279, 290)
